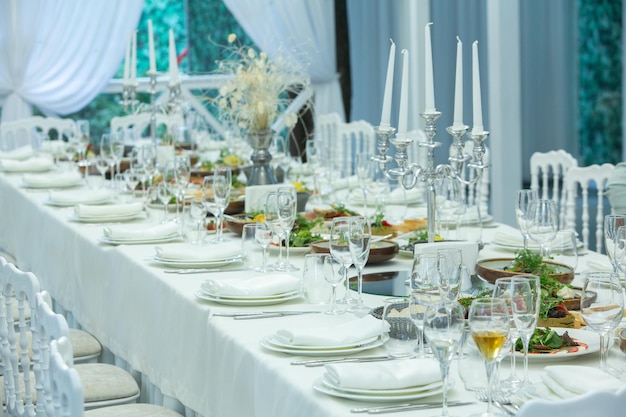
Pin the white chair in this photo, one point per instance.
(583, 177)
(551, 167)
(64, 384)
(326, 135)
(139, 124)
(104, 384)
(596, 404)
(354, 137)
(28, 131)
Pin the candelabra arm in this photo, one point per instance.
(153, 109)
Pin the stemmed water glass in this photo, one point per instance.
(425, 271)
(263, 236)
(287, 201)
(364, 172)
(502, 289)
(611, 223)
(542, 223)
(182, 167)
(360, 242)
(489, 322)
(333, 276)
(602, 307)
(82, 139)
(444, 322)
(270, 213)
(339, 243)
(522, 201)
(198, 212)
(117, 149)
(222, 184)
(102, 165)
(163, 193)
(313, 160)
(418, 303)
(450, 262)
(525, 300)
(449, 203)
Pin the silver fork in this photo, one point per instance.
(500, 399)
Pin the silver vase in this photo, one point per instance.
(260, 141)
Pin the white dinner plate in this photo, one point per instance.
(250, 297)
(162, 239)
(320, 386)
(279, 343)
(194, 264)
(246, 301)
(531, 246)
(267, 343)
(589, 338)
(74, 203)
(106, 219)
(396, 391)
(42, 186)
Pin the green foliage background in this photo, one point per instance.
(600, 80)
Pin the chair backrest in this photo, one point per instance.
(135, 126)
(354, 137)
(326, 132)
(30, 131)
(547, 171)
(596, 404)
(583, 178)
(66, 386)
(19, 345)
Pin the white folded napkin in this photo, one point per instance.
(507, 237)
(27, 165)
(261, 285)
(140, 232)
(353, 331)
(383, 375)
(568, 381)
(189, 252)
(593, 265)
(108, 210)
(61, 179)
(397, 196)
(79, 197)
(469, 251)
(17, 154)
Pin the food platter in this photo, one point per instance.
(492, 269)
(589, 340)
(381, 251)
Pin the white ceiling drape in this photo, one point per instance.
(301, 30)
(59, 54)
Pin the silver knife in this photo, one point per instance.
(273, 314)
(203, 270)
(407, 407)
(320, 362)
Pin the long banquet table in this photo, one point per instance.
(214, 366)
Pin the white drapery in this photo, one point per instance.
(300, 30)
(58, 55)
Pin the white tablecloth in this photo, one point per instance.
(215, 366)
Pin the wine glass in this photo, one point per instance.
(522, 201)
(102, 165)
(333, 277)
(602, 307)
(450, 262)
(444, 322)
(364, 172)
(620, 249)
(425, 271)
(270, 213)
(198, 212)
(208, 196)
(525, 300)
(163, 193)
(360, 237)
(82, 136)
(182, 168)
(502, 289)
(263, 236)
(418, 302)
(105, 152)
(313, 160)
(287, 201)
(489, 322)
(542, 223)
(611, 223)
(117, 148)
(131, 181)
(222, 184)
(339, 243)
(564, 248)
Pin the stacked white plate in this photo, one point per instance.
(247, 300)
(185, 255)
(140, 234)
(274, 343)
(378, 395)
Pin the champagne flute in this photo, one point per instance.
(444, 322)
(542, 223)
(525, 300)
(418, 303)
(522, 201)
(502, 289)
(611, 223)
(360, 239)
(198, 211)
(263, 236)
(270, 213)
(222, 183)
(364, 173)
(489, 323)
(339, 243)
(602, 307)
(333, 277)
(287, 210)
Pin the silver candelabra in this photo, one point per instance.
(409, 174)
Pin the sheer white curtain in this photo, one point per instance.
(302, 30)
(59, 54)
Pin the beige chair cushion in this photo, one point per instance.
(84, 345)
(105, 382)
(132, 410)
